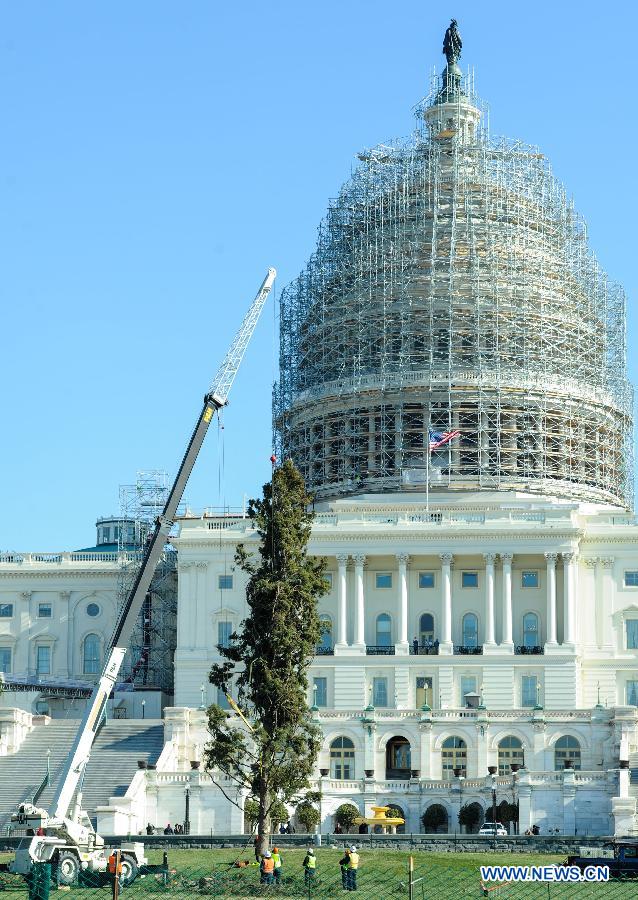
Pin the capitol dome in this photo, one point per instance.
(453, 288)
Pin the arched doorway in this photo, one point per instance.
(510, 752)
(435, 820)
(471, 818)
(453, 756)
(397, 758)
(396, 810)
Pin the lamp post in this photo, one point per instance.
(187, 809)
(143, 709)
(202, 691)
(492, 773)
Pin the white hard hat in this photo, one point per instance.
(267, 854)
(353, 849)
(311, 852)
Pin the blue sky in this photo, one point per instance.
(156, 157)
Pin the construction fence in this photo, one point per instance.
(415, 880)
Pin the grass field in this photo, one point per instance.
(383, 874)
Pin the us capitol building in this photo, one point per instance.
(481, 628)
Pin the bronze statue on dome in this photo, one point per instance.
(452, 44)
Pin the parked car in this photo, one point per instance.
(489, 828)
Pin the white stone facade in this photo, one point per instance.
(531, 604)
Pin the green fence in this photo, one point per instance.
(377, 878)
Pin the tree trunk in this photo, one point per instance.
(263, 823)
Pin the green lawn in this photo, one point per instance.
(383, 874)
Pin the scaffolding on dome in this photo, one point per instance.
(149, 661)
(453, 288)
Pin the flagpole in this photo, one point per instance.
(427, 478)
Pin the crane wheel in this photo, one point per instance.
(68, 867)
(130, 870)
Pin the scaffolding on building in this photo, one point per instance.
(453, 287)
(149, 662)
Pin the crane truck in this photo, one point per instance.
(65, 836)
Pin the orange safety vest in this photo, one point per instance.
(268, 865)
(112, 859)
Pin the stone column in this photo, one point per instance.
(402, 647)
(568, 598)
(489, 599)
(551, 598)
(201, 636)
(22, 658)
(342, 617)
(359, 617)
(446, 647)
(507, 642)
(66, 650)
(607, 600)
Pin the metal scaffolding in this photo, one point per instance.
(149, 662)
(453, 287)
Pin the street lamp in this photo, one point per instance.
(143, 709)
(202, 690)
(187, 810)
(492, 772)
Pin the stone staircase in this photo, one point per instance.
(113, 763)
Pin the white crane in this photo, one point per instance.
(69, 842)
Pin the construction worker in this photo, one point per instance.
(343, 863)
(276, 857)
(310, 866)
(267, 868)
(353, 865)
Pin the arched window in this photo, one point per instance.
(566, 748)
(510, 750)
(426, 629)
(326, 635)
(470, 630)
(384, 630)
(530, 630)
(91, 654)
(398, 758)
(342, 759)
(453, 756)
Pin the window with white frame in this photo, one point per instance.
(529, 691)
(467, 686)
(426, 629)
(631, 692)
(43, 660)
(426, 579)
(631, 579)
(384, 630)
(342, 759)
(91, 654)
(469, 579)
(383, 579)
(379, 691)
(5, 659)
(6, 610)
(423, 691)
(224, 631)
(45, 610)
(631, 632)
(453, 756)
(530, 630)
(320, 691)
(529, 579)
(566, 748)
(470, 630)
(327, 576)
(225, 582)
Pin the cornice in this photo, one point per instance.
(57, 573)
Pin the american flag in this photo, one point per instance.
(439, 438)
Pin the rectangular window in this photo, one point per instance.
(631, 579)
(468, 686)
(45, 610)
(106, 535)
(222, 699)
(328, 578)
(6, 610)
(423, 692)
(5, 659)
(529, 691)
(529, 579)
(320, 691)
(224, 631)
(632, 693)
(426, 579)
(225, 582)
(631, 626)
(379, 691)
(43, 661)
(384, 579)
(469, 579)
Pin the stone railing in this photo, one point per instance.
(67, 559)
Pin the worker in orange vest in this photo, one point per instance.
(267, 868)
